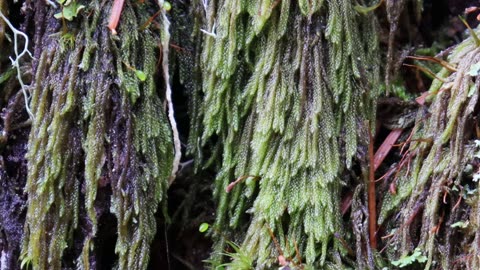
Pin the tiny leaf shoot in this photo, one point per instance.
(203, 227)
(167, 6)
(140, 75)
(69, 11)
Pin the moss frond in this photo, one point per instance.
(284, 89)
(96, 129)
(441, 150)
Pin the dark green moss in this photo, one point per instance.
(285, 88)
(95, 124)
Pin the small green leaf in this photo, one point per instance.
(408, 260)
(365, 10)
(167, 6)
(141, 75)
(6, 75)
(422, 259)
(70, 11)
(203, 227)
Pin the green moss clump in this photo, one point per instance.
(286, 86)
(435, 188)
(96, 128)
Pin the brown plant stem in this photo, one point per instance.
(372, 206)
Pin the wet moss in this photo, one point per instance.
(435, 189)
(96, 125)
(285, 88)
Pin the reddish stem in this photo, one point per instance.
(385, 148)
(238, 180)
(150, 20)
(372, 205)
(115, 15)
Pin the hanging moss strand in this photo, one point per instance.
(439, 156)
(284, 91)
(97, 130)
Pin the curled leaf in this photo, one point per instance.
(69, 12)
(460, 224)
(365, 10)
(416, 256)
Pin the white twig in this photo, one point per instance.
(205, 6)
(168, 95)
(206, 32)
(4, 258)
(16, 63)
(211, 33)
(51, 3)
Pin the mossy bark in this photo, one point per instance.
(437, 184)
(100, 141)
(283, 109)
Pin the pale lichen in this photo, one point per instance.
(19, 53)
